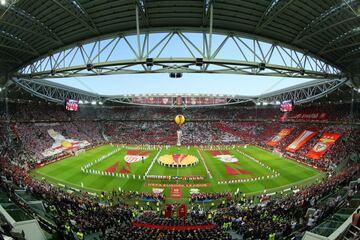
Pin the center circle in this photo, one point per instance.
(178, 160)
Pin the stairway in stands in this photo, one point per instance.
(352, 233)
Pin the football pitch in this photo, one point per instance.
(248, 169)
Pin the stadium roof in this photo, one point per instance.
(328, 28)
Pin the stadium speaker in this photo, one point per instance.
(199, 62)
(89, 66)
(52, 72)
(261, 66)
(149, 62)
(175, 75)
(302, 72)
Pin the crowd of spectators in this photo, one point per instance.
(155, 219)
(284, 215)
(25, 111)
(200, 197)
(139, 233)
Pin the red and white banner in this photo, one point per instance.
(153, 100)
(317, 116)
(323, 145)
(276, 139)
(304, 136)
(133, 156)
(204, 100)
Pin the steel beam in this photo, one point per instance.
(271, 13)
(252, 57)
(300, 94)
(88, 24)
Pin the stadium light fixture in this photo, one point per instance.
(3, 2)
(93, 103)
(100, 103)
(81, 102)
(86, 102)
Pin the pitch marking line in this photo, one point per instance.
(152, 163)
(206, 167)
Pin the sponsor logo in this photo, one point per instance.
(319, 147)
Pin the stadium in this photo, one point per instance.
(190, 119)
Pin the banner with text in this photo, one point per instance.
(276, 139)
(316, 116)
(323, 145)
(304, 136)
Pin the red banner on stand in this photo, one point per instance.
(323, 145)
(304, 136)
(276, 139)
(169, 210)
(175, 192)
(182, 212)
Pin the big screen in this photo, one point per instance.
(72, 105)
(287, 106)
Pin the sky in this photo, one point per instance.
(196, 83)
(191, 83)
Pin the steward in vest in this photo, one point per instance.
(80, 235)
(67, 229)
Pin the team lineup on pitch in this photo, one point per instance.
(177, 171)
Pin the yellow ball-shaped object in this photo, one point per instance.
(179, 119)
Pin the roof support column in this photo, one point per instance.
(211, 29)
(138, 32)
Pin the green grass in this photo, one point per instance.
(67, 171)
(219, 171)
(138, 168)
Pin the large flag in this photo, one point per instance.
(133, 156)
(224, 156)
(324, 144)
(62, 144)
(304, 136)
(276, 139)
